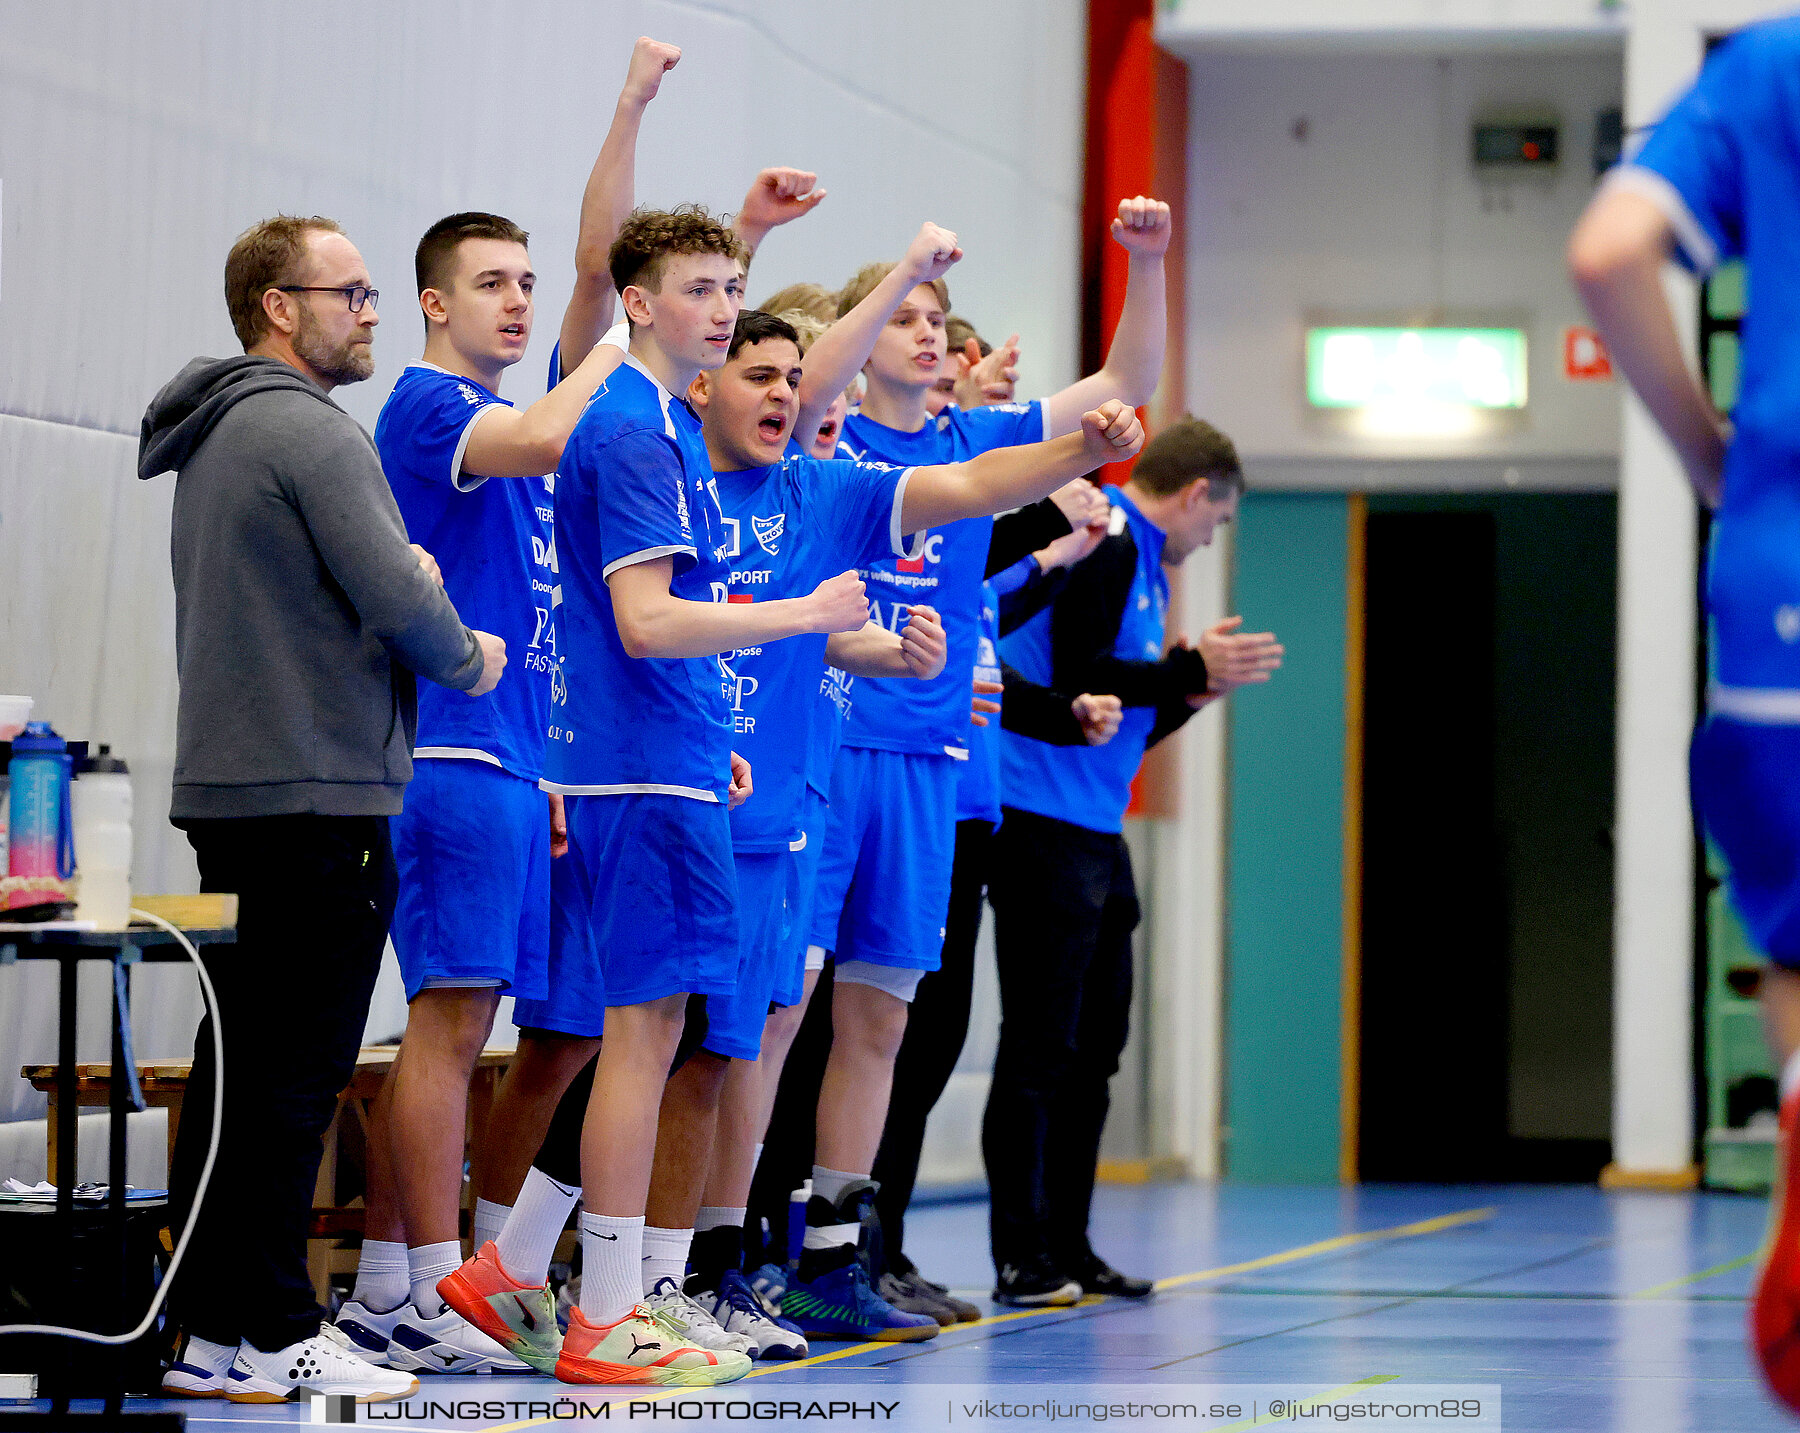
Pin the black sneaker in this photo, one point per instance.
(1096, 1276)
(1036, 1283)
(966, 1312)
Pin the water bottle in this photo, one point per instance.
(40, 828)
(102, 810)
(14, 713)
(796, 1226)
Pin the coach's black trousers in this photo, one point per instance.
(1064, 907)
(316, 894)
(936, 1028)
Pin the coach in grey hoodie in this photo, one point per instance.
(302, 617)
(301, 612)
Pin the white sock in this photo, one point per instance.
(427, 1264)
(612, 1251)
(381, 1280)
(489, 1219)
(665, 1255)
(528, 1241)
(1790, 1075)
(828, 1184)
(716, 1216)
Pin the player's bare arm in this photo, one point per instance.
(1133, 364)
(841, 351)
(654, 622)
(919, 650)
(607, 200)
(1007, 477)
(1616, 257)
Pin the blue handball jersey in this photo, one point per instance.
(943, 568)
(493, 540)
(1089, 785)
(1724, 167)
(788, 527)
(635, 485)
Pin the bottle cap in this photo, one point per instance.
(102, 763)
(36, 739)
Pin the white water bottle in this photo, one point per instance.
(102, 812)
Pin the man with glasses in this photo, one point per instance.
(302, 619)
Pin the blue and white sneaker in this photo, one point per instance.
(770, 1282)
(737, 1309)
(841, 1304)
(199, 1369)
(366, 1332)
(446, 1343)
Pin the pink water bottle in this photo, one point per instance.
(41, 829)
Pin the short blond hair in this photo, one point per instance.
(805, 325)
(264, 257)
(868, 276)
(814, 300)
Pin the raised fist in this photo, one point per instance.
(1144, 226)
(931, 254)
(650, 61)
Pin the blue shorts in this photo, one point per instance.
(1747, 789)
(643, 906)
(884, 875)
(472, 848)
(768, 886)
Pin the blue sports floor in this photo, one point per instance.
(1588, 1311)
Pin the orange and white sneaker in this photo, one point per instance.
(642, 1348)
(1775, 1303)
(518, 1317)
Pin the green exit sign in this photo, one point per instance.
(1455, 367)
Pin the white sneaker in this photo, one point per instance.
(700, 1328)
(737, 1309)
(447, 1343)
(314, 1365)
(199, 1369)
(365, 1331)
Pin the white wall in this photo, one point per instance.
(1342, 184)
(136, 141)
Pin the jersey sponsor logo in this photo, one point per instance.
(768, 532)
(544, 553)
(933, 553)
(753, 576)
(470, 396)
(740, 597)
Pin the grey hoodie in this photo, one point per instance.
(301, 613)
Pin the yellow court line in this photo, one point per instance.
(1342, 1241)
(1727, 1267)
(1324, 1246)
(1306, 1405)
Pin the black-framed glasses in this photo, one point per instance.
(356, 295)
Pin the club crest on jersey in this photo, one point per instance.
(768, 532)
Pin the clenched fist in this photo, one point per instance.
(1111, 432)
(838, 604)
(931, 254)
(1144, 226)
(650, 61)
(923, 644)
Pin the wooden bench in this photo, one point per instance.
(164, 1083)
